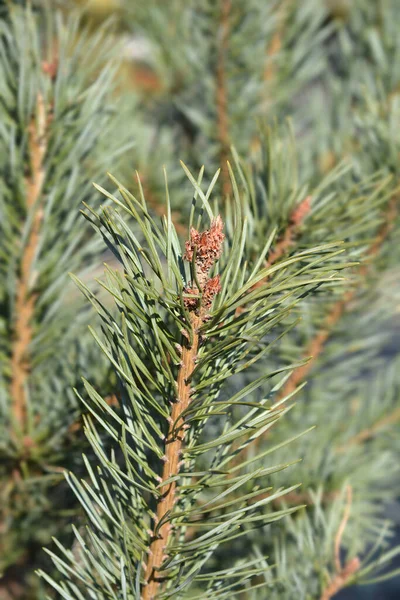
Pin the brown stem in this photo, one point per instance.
(204, 248)
(317, 344)
(173, 447)
(25, 299)
(286, 240)
(343, 573)
(222, 98)
(340, 580)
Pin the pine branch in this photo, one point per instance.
(203, 249)
(25, 300)
(162, 295)
(222, 97)
(287, 239)
(60, 124)
(317, 344)
(173, 445)
(343, 572)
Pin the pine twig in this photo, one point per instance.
(343, 572)
(173, 445)
(222, 98)
(317, 344)
(204, 249)
(25, 300)
(286, 240)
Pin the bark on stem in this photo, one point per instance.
(204, 248)
(25, 300)
(173, 447)
(343, 572)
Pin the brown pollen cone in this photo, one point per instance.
(206, 247)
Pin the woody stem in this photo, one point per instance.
(25, 300)
(173, 446)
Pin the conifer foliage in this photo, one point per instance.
(240, 381)
(188, 320)
(57, 115)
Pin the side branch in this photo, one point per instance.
(343, 572)
(317, 344)
(286, 240)
(25, 300)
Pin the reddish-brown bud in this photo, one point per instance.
(191, 302)
(211, 288)
(208, 246)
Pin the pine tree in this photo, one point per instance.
(225, 350)
(58, 118)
